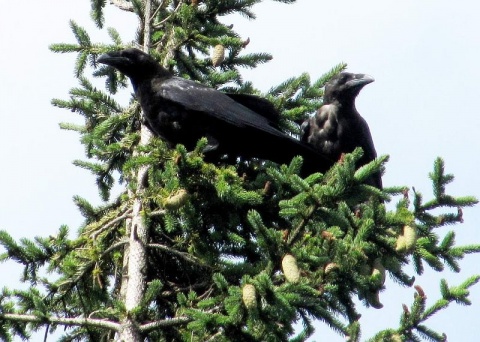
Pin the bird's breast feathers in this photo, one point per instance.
(326, 121)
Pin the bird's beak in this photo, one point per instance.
(113, 58)
(360, 80)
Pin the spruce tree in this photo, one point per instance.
(231, 251)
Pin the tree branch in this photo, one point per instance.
(164, 323)
(90, 263)
(292, 238)
(147, 29)
(159, 25)
(184, 256)
(182, 289)
(160, 212)
(63, 320)
(159, 7)
(126, 214)
(123, 5)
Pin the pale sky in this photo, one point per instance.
(423, 54)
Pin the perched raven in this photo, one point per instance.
(183, 111)
(259, 105)
(337, 127)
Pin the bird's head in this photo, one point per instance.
(134, 63)
(345, 87)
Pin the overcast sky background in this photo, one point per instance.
(423, 54)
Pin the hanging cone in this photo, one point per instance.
(401, 245)
(285, 233)
(290, 268)
(249, 296)
(327, 235)
(396, 338)
(176, 200)
(365, 270)
(378, 271)
(410, 235)
(218, 55)
(420, 291)
(246, 42)
(267, 188)
(373, 298)
(392, 264)
(330, 267)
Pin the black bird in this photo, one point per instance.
(337, 127)
(259, 105)
(183, 111)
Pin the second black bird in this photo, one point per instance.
(183, 111)
(337, 127)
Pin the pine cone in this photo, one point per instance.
(218, 55)
(401, 245)
(267, 188)
(176, 200)
(378, 271)
(396, 338)
(249, 296)
(246, 42)
(410, 235)
(420, 291)
(365, 269)
(328, 236)
(290, 268)
(330, 267)
(373, 298)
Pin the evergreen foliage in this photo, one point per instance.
(232, 252)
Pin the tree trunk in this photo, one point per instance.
(135, 257)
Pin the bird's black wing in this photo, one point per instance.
(199, 98)
(259, 105)
(369, 152)
(230, 127)
(366, 140)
